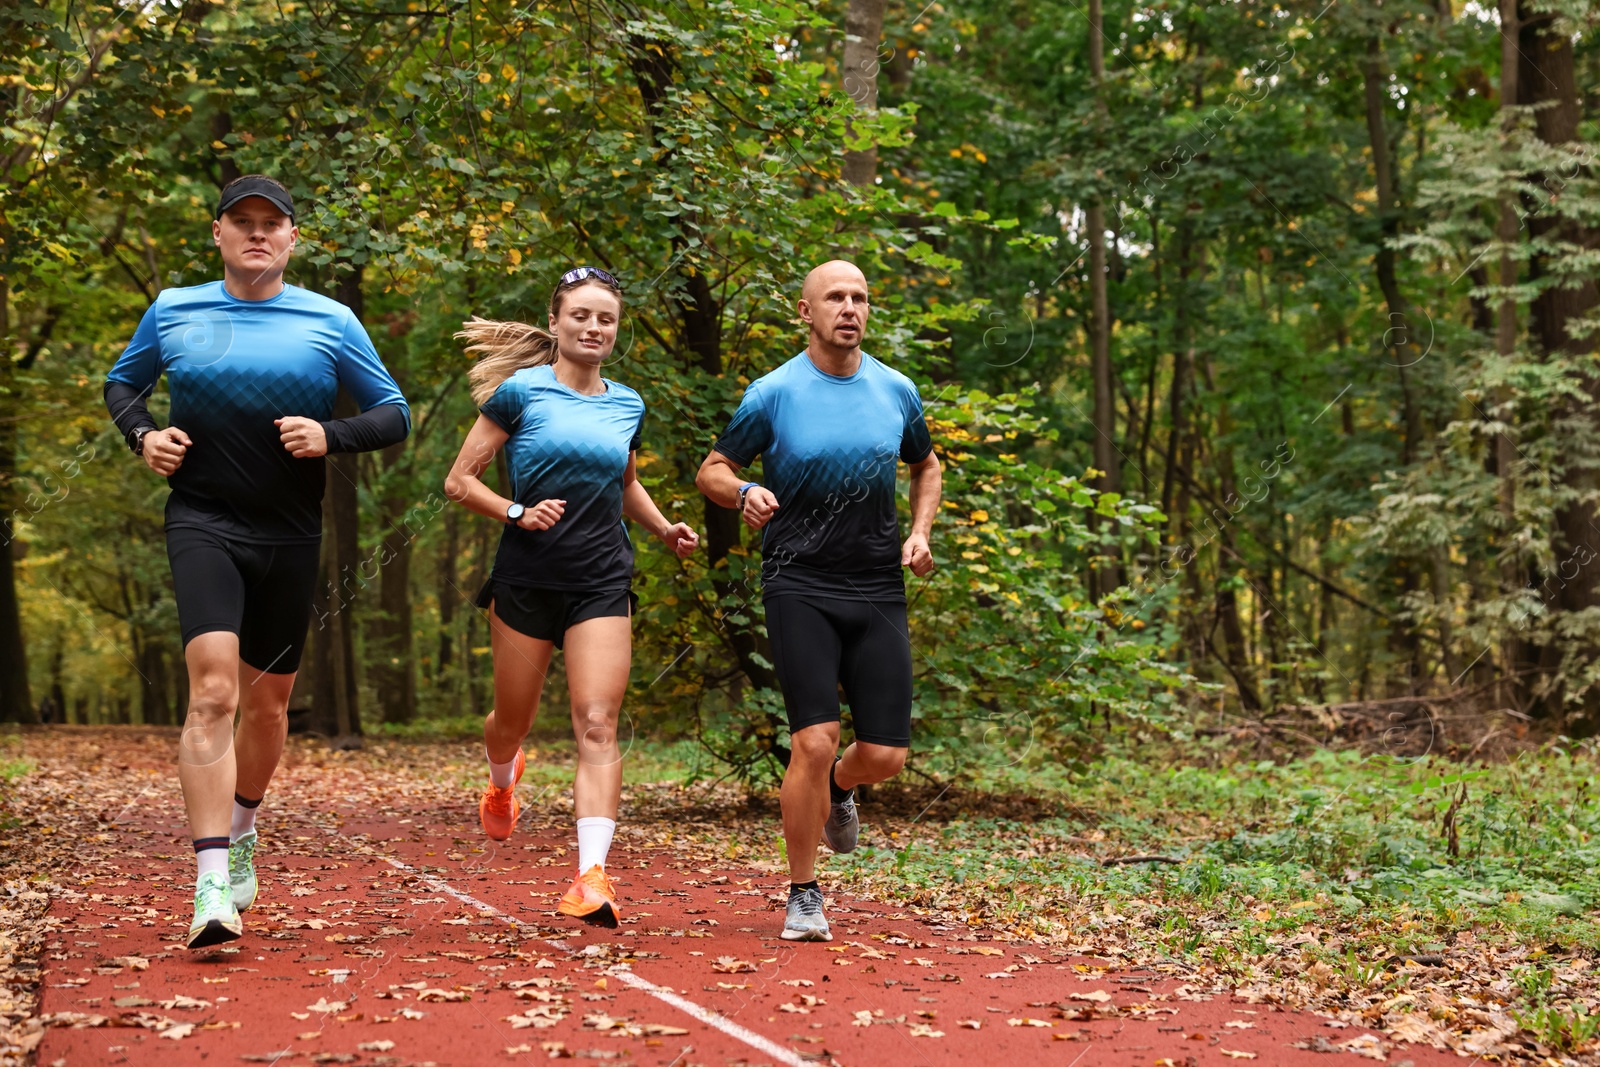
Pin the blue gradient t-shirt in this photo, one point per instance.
(830, 449)
(566, 446)
(234, 366)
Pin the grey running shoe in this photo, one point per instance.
(843, 825)
(242, 870)
(804, 920)
(216, 920)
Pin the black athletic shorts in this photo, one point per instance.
(547, 614)
(820, 644)
(260, 592)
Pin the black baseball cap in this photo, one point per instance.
(255, 185)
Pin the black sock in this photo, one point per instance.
(837, 795)
(800, 887)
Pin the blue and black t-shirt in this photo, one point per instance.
(831, 446)
(234, 366)
(565, 445)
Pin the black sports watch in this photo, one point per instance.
(514, 512)
(744, 491)
(136, 439)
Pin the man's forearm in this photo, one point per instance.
(127, 407)
(926, 484)
(720, 483)
(375, 428)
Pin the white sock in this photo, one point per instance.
(502, 775)
(212, 861)
(594, 841)
(244, 820)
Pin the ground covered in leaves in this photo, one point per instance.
(1438, 904)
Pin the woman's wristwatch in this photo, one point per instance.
(514, 512)
(744, 491)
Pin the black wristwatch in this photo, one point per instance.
(744, 491)
(136, 439)
(514, 512)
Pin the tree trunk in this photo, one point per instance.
(1231, 575)
(1397, 338)
(448, 592)
(1182, 364)
(16, 702)
(1516, 651)
(394, 673)
(336, 697)
(1549, 79)
(863, 29)
(155, 708)
(484, 538)
(1106, 456)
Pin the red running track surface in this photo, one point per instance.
(396, 941)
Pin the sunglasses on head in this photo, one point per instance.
(583, 274)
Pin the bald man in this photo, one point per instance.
(832, 425)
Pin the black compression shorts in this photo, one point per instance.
(260, 592)
(820, 644)
(547, 614)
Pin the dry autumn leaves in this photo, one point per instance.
(410, 942)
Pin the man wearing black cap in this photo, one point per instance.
(253, 367)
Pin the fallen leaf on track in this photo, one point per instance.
(1236, 1054)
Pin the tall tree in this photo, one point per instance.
(863, 30)
(1569, 295)
(1107, 457)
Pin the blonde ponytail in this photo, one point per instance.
(503, 348)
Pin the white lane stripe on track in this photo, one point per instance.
(661, 993)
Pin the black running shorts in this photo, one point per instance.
(547, 614)
(260, 592)
(820, 644)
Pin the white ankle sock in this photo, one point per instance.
(212, 861)
(502, 775)
(594, 841)
(244, 820)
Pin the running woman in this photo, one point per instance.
(253, 366)
(563, 573)
(832, 423)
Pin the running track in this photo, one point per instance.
(391, 940)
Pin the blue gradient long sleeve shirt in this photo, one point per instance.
(235, 366)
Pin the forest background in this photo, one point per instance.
(1257, 338)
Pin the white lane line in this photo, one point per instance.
(711, 1018)
(661, 993)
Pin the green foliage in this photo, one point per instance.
(1350, 845)
(1313, 504)
(1565, 1030)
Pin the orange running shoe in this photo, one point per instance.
(591, 898)
(499, 808)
